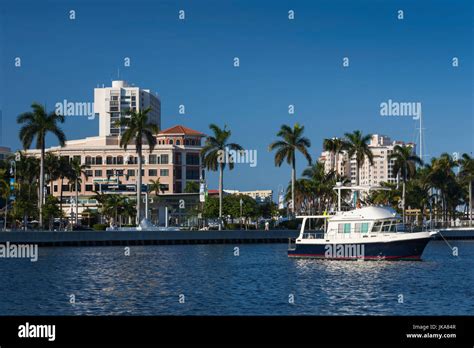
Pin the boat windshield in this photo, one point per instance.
(313, 229)
(391, 225)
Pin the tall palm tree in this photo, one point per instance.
(65, 172)
(27, 174)
(52, 168)
(442, 177)
(292, 141)
(37, 124)
(77, 171)
(357, 146)
(334, 146)
(4, 192)
(467, 175)
(139, 131)
(215, 156)
(404, 165)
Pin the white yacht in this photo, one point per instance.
(368, 233)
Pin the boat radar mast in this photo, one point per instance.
(339, 187)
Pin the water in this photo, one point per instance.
(215, 282)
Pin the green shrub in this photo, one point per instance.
(99, 227)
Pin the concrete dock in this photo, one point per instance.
(91, 238)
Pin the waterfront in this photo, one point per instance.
(215, 282)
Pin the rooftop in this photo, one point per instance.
(178, 130)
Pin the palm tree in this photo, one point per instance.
(442, 177)
(27, 172)
(77, 170)
(65, 172)
(404, 165)
(155, 186)
(358, 146)
(334, 146)
(52, 169)
(138, 130)
(215, 156)
(4, 192)
(38, 124)
(292, 140)
(467, 175)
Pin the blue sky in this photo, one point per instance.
(282, 62)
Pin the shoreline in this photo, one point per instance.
(111, 238)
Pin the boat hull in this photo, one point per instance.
(391, 250)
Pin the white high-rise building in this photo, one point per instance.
(369, 175)
(110, 103)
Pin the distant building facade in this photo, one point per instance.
(5, 152)
(175, 161)
(260, 196)
(110, 104)
(369, 175)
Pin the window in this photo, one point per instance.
(192, 159)
(377, 226)
(98, 160)
(177, 172)
(346, 228)
(65, 188)
(171, 142)
(89, 187)
(119, 160)
(165, 187)
(88, 160)
(152, 159)
(164, 172)
(109, 172)
(178, 142)
(152, 172)
(98, 173)
(55, 188)
(164, 159)
(131, 172)
(89, 173)
(386, 226)
(109, 160)
(192, 173)
(177, 158)
(362, 227)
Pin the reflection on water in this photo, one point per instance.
(215, 282)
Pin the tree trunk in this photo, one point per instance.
(41, 184)
(470, 203)
(403, 201)
(139, 185)
(293, 179)
(61, 204)
(77, 203)
(6, 213)
(221, 189)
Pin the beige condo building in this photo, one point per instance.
(369, 175)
